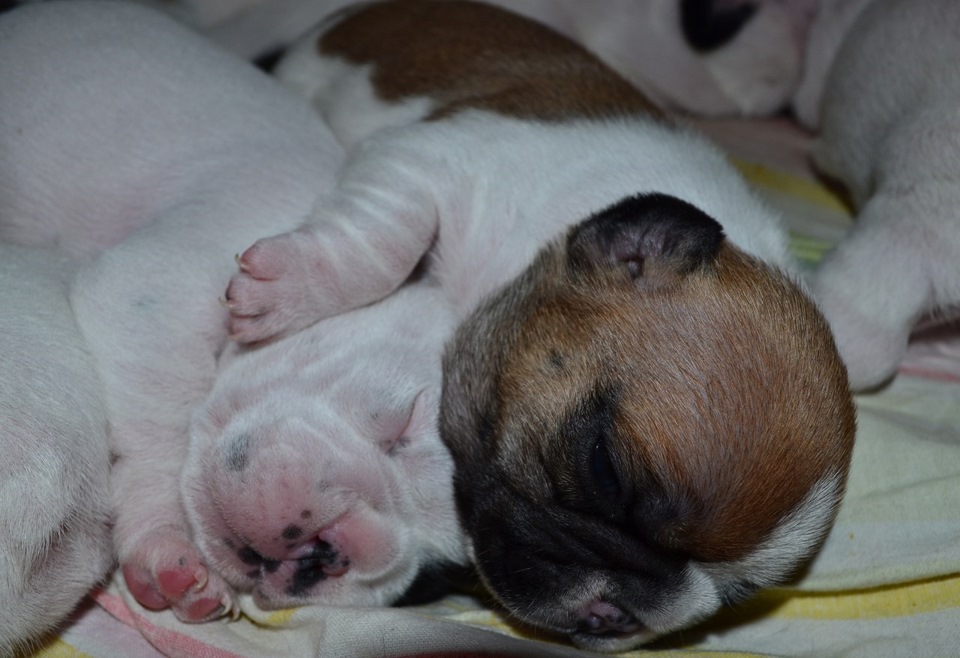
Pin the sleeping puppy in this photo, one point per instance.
(889, 131)
(54, 501)
(647, 414)
(122, 129)
(310, 476)
(316, 473)
(706, 57)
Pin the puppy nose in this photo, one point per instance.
(603, 617)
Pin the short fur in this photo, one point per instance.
(54, 501)
(890, 132)
(636, 373)
(152, 156)
(310, 477)
(316, 473)
(726, 57)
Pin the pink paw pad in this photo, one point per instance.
(179, 581)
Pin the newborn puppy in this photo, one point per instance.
(647, 415)
(316, 472)
(54, 509)
(707, 57)
(890, 132)
(118, 124)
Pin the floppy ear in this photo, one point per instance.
(711, 24)
(649, 236)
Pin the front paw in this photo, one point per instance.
(871, 345)
(165, 570)
(274, 293)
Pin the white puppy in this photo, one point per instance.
(647, 415)
(54, 512)
(182, 154)
(890, 132)
(880, 86)
(115, 117)
(316, 472)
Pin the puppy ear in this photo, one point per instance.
(650, 237)
(711, 24)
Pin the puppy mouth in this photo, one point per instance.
(291, 580)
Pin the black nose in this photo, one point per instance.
(603, 617)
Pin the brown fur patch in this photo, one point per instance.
(731, 397)
(468, 55)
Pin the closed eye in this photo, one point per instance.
(604, 474)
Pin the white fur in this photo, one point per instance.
(54, 532)
(339, 420)
(185, 155)
(831, 23)
(890, 131)
(188, 152)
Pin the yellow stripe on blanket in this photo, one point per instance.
(797, 186)
(880, 603)
(59, 649)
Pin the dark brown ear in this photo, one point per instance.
(646, 235)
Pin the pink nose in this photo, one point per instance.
(603, 617)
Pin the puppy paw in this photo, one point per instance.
(165, 570)
(870, 345)
(276, 290)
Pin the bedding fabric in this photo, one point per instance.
(886, 584)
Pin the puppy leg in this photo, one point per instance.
(54, 530)
(381, 215)
(884, 276)
(149, 311)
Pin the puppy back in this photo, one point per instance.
(467, 55)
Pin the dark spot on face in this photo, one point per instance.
(306, 514)
(237, 453)
(249, 556)
(182, 562)
(114, 458)
(292, 532)
(310, 569)
(229, 543)
(271, 566)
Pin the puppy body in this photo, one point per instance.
(54, 502)
(628, 386)
(743, 57)
(889, 130)
(133, 132)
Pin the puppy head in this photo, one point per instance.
(645, 425)
(316, 473)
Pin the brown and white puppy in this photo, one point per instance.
(647, 414)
